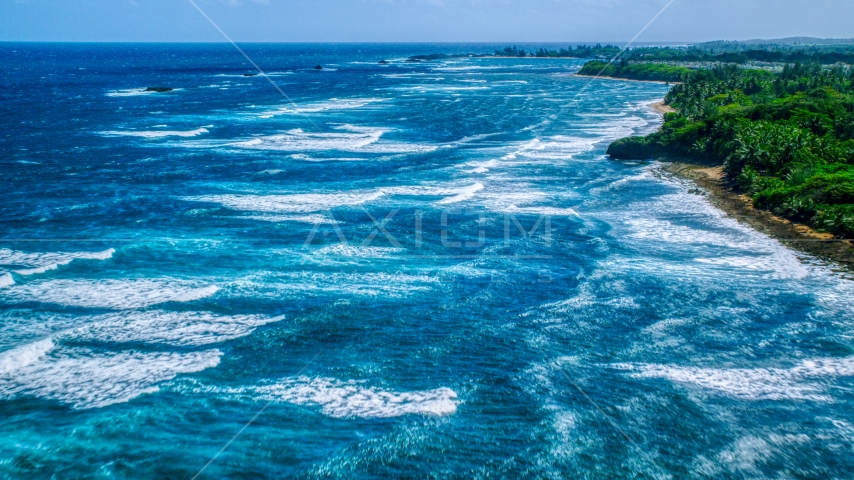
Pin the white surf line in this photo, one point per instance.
(263, 74)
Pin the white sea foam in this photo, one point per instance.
(355, 399)
(482, 167)
(6, 280)
(130, 92)
(86, 379)
(113, 294)
(23, 355)
(352, 139)
(318, 202)
(748, 250)
(548, 211)
(464, 194)
(278, 285)
(312, 219)
(155, 133)
(776, 264)
(354, 251)
(309, 158)
(297, 203)
(800, 382)
(172, 328)
(40, 262)
(329, 105)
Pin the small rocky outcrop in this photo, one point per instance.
(318, 67)
(159, 89)
(633, 148)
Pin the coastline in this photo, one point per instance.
(740, 207)
(711, 181)
(662, 107)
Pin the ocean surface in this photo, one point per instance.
(418, 270)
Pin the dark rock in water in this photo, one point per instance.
(413, 60)
(158, 89)
(318, 67)
(250, 74)
(383, 62)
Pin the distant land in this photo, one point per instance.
(800, 41)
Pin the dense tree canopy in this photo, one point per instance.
(786, 139)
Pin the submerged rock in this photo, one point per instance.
(158, 89)
(318, 67)
(250, 74)
(383, 62)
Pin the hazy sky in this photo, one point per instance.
(423, 20)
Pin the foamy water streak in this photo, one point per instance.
(332, 104)
(133, 92)
(155, 133)
(40, 262)
(342, 399)
(24, 355)
(170, 328)
(84, 378)
(803, 381)
(114, 294)
(318, 202)
(297, 203)
(463, 195)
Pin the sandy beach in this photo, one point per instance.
(712, 182)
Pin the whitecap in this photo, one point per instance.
(86, 379)
(113, 294)
(21, 356)
(464, 194)
(317, 107)
(130, 92)
(353, 139)
(40, 262)
(6, 280)
(354, 251)
(155, 133)
(354, 399)
(799, 382)
(312, 219)
(296, 203)
(171, 328)
(278, 285)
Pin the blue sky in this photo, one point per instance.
(422, 20)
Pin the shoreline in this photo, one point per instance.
(740, 207)
(662, 107)
(802, 238)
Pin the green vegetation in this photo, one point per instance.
(720, 52)
(635, 71)
(786, 139)
(826, 52)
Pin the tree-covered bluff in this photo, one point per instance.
(635, 71)
(786, 139)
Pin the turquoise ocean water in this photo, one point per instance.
(417, 270)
